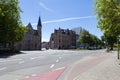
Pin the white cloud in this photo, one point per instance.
(45, 7)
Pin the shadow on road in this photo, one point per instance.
(7, 54)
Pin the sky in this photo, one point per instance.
(66, 14)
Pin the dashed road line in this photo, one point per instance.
(11, 60)
(60, 57)
(57, 60)
(3, 68)
(32, 58)
(21, 62)
(52, 65)
(34, 75)
(27, 77)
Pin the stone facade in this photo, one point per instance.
(63, 39)
(32, 38)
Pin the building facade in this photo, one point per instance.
(45, 45)
(31, 39)
(63, 39)
(78, 31)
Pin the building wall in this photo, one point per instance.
(31, 39)
(29, 42)
(63, 39)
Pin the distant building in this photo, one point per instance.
(63, 39)
(45, 45)
(32, 38)
(77, 30)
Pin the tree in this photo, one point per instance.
(88, 39)
(95, 40)
(11, 28)
(109, 40)
(108, 15)
(84, 38)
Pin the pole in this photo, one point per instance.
(118, 47)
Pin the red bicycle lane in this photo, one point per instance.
(51, 75)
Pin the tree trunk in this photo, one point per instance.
(12, 46)
(111, 47)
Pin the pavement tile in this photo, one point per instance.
(109, 69)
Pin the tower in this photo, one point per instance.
(39, 28)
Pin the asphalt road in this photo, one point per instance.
(52, 59)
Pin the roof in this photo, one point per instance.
(29, 25)
(39, 22)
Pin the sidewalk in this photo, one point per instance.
(98, 67)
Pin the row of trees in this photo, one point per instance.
(88, 39)
(108, 15)
(11, 28)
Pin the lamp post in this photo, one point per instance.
(106, 43)
(118, 45)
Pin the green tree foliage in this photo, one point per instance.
(108, 15)
(11, 28)
(109, 40)
(88, 39)
(84, 37)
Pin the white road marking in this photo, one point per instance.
(52, 65)
(57, 60)
(27, 77)
(35, 57)
(21, 62)
(11, 60)
(33, 75)
(60, 57)
(3, 68)
(32, 58)
(59, 68)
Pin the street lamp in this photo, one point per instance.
(118, 40)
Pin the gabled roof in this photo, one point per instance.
(29, 26)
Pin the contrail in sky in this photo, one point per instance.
(45, 7)
(65, 19)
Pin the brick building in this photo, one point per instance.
(63, 39)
